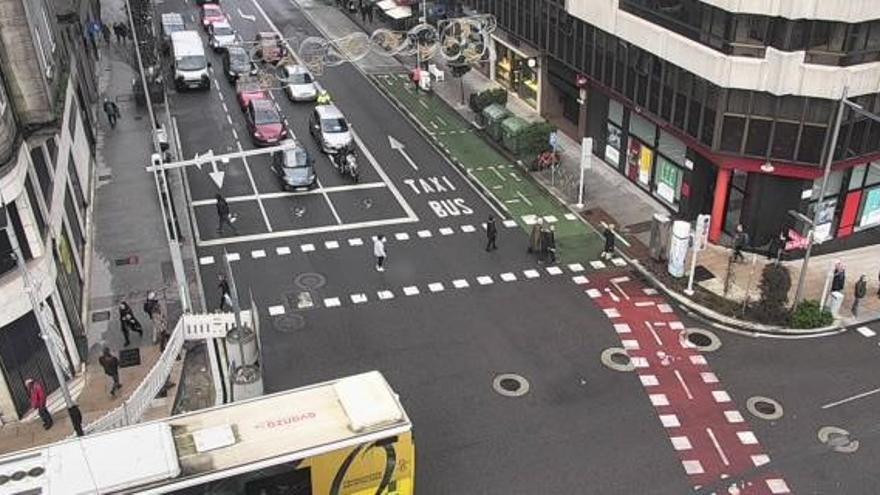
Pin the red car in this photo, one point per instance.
(247, 90)
(211, 13)
(265, 123)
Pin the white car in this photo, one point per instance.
(299, 83)
(221, 36)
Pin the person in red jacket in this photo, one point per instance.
(38, 401)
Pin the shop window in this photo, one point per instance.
(857, 177)
(784, 139)
(732, 133)
(832, 188)
(35, 206)
(73, 219)
(758, 137)
(672, 148)
(667, 182)
(44, 174)
(614, 141)
(639, 163)
(615, 112)
(873, 175)
(642, 128)
(870, 209)
(812, 141)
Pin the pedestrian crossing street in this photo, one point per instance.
(401, 236)
(574, 270)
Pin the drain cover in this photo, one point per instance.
(838, 439)
(510, 385)
(289, 323)
(617, 359)
(310, 280)
(698, 338)
(764, 408)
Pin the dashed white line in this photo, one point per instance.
(401, 236)
(622, 328)
(276, 310)
(531, 274)
(669, 420)
(436, 287)
(720, 396)
(692, 467)
(424, 233)
(777, 486)
(681, 443)
(446, 231)
(509, 223)
(460, 283)
(332, 302)
(747, 437)
(580, 280)
(733, 416)
(306, 248)
(359, 298)
(484, 280)
(658, 400)
(468, 228)
(233, 256)
(228, 119)
(355, 241)
(508, 277)
(206, 260)
(258, 253)
(554, 270)
(385, 295)
(649, 380)
(412, 290)
(594, 293)
(576, 267)
(331, 244)
(611, 313)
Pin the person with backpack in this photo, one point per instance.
(110, 364)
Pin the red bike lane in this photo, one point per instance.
(718, 450)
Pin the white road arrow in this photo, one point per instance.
(248, 17)
(217, 175)
(397, 145)
(199, 159)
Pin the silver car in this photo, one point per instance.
(299, 83)
(221, 36)
(330, 129)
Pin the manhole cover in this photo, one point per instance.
(838, 439)
(309, 281)
(510, 385)
(617, 359)
(703, 340)
(764, 408)
(289, 323)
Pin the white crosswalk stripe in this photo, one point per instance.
(355, 241)
(331, 244)
(460, 283)
(508, 277)
(436, 287)
(468, 228)
(233, 256)
(257, 254)
(359, 298)
(412, 290)
(531, 273)
(306, 248)
(206, 260)
(554, 270)
(276, 310)
(446, 231)
(282, 250)
(332, 302)
(484, 280)
(424, 233)
(401, 236)
(510, 223)
(385, 295)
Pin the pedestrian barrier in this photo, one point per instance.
(189, 327)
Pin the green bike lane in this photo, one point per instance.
(513, 189)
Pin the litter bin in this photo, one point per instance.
(511, 131)
(491, 119)
(835, 300)
(660, 226)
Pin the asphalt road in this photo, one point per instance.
(447, 317)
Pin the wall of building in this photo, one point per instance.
(830, 10)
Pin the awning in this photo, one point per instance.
(387, 4)
(399, 12)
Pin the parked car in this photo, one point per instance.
(221, 36)
(270, 47)
(299, 85)
(265, 123)
(247, 90)
(330, 129)
(237, 63)
(211, 13)
(294, 168)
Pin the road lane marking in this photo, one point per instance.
(866, 332)
(304, 231)
(394, 191)
(593, 293)
(531, 273)
(359, 298)
(597, 265)
(412, 290)
(446, 231)
(485, 280)
(233, 256)
(852, 398)
(355, 241)
(580, 280)
(307, 248)
(576, 267)
(508, 277)
(247, 169)
(282, 250)
(460, 283)
(401, 236)
(329, 203)
(385, 295)
(509, 223)
(424, 233)
(681, 443)
(669, 420)
(331, 244)
(649, 380)
(692, 466)
(720, 396)
(258, 253)
(290, 194)
(468, 229)
(554, 270)
(206, 260)
(733, 417)
(332, 302)
(276, 310)
(525, 199)
(654, 333)
(747, 437)
(436, 287)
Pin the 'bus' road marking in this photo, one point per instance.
(850, 399)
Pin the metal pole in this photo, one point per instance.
(173, 244)
(236, 309)
(749, 283)
(690, 288)
(829, 159)
(36, 306)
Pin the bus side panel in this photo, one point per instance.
(384, 466)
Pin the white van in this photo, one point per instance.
(190, 62)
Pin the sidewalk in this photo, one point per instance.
(129, 257)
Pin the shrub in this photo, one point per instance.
(535, 137)
(774, 287)
(810, 315)
(481, 100)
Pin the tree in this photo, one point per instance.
(774, 286)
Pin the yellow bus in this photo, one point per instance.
(349, 436)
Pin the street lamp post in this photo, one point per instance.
(811, 236)
(37, 307)
(245, 377)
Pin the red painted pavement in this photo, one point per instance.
(706, 429)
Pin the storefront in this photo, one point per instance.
(516, 67)
(861, 199)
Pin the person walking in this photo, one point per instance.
(740, 241)
(224, 216)
(370, 13)
(610, 239)
(151, 305)
(37, 396)
(110, 363)
(112, 111)
(379, 252)
(859, 293)
(491, 234)
(777, 246)
(225, 293)
(363, 10)
(117, 32)
(535, 237)
(548, 242)
(838, 280)
(128, 322)
(415, 76)
(105, 31)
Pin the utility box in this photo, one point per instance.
(660, 226)
(491, 119)
(835, 301)
(511, 132)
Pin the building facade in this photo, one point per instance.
(47, 148)
(715, 106)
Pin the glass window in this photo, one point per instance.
(44, 176)
(812, 141)
(738, 101)
(77, 187)
(818, 111)
(642, 128)
(78, 239)
(758, 137)
(732, 133)
(857, 177)
(873, 175)
(615, 112)
(672, 148)
(35, 206)
(791, 108)
(667, 181)
(763, 104)
(835, 180)
(870, 208)
(614, 142)
(784, 139)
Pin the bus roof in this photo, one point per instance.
(235, 437)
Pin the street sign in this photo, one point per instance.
(701, 232)
(587, 153)
(796, 240)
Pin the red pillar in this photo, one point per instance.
(722, 185)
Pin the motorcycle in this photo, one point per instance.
(345, 162)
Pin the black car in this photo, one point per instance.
(237, 62)
(295, 169)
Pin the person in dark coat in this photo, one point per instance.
(37, 396)
(225, 293)
(535, 237)
(117, 32)
(838, 280)
(128, 323)
(151, 305)
(112, 111)
(105, 31)
(859, 293)
(610, 239)
(548, 243)
(110, 364)
(491, 234)
(740, 241)
(777, 246)
(224, 216)
(370, 12)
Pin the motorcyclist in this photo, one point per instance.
(323, 97)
